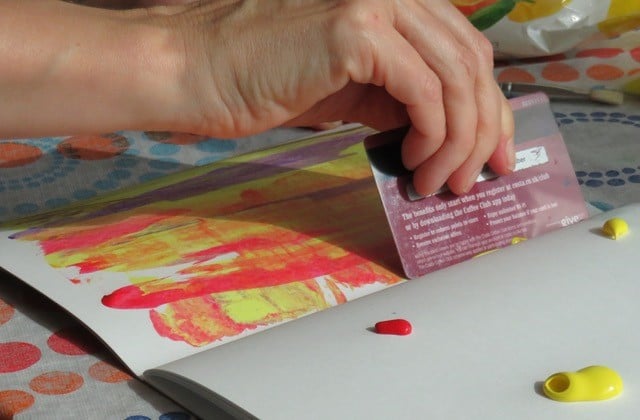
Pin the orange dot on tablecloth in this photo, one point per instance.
(604, 72)
(6, 312)
(18, 154)
(104, 372)
(73, 341)
(633, 72)
(600, 52)
(560, 72)
(94, 147)
(13, 401)
(15, 356)
(515, 74)
(635, 54)
(56, 383)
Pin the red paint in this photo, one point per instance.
(600, 52)
(91, 237)
(394, 326)
(158, 292)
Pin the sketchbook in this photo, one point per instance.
(196, 262)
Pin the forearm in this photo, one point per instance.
(69, 69)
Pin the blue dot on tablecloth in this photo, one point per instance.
(81, 194)
(164, 165)
(119, 174)
(137, 418)
(126, 162)
(593, 183)
(216, 146)
(149, 176)
(56, 202)
(164, 149)
(106, 184)
(26, 208)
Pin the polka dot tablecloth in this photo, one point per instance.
(53, 368)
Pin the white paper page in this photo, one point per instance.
(487, 332)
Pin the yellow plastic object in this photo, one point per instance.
(593, 383)
(615, 228)
(525, 11)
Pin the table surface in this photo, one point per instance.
(51, 367)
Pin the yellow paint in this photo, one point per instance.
(593, 383)
(526, 11)
(268, 304)
(615, 228)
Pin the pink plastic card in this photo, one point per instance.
(542, 194)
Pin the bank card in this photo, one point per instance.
(433, 232)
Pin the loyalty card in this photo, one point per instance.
(542, 194)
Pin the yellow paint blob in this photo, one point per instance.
(593, 383)
(615, 228)
(525, 11)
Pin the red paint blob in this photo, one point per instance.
(394, 326)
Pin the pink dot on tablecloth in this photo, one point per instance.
(13, 401)
(604, 72)
(56, 383)
(560, 72)
(515, 74)
(15, 356)
(104, 372)
(73, 341)
(6, 312)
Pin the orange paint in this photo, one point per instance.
(93, 147)
(13, 402)
(13, 155)
(104, 372)
(6, 312)
(600, 53)
(56, 383)
(515, 74)
(560, 72)
(603, 72)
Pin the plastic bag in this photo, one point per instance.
(534, 28)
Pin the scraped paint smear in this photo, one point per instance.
(249, 243)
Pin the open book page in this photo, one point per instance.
(214, 254)
(486, 333)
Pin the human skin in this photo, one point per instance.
(231, 68)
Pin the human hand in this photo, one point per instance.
(255, 64)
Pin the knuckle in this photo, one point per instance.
(466, 60)
(484, 49)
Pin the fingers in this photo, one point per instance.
(479, 124)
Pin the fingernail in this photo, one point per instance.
(472, 181)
